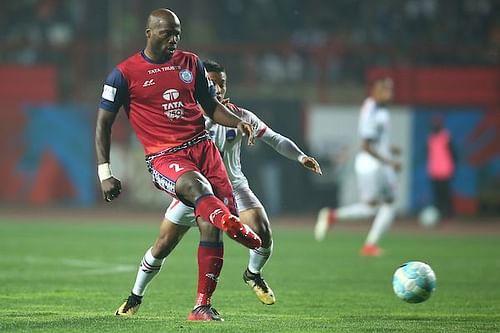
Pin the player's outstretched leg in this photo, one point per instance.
(326, 218)
(262, 290)
(240, 232)
(381, 224)
(212, 210)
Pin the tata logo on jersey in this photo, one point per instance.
(173, 109)
(171, 95)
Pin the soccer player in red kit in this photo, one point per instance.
(161, 90)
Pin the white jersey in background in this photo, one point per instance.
(228, 141)
(374, 124)
(375, 179)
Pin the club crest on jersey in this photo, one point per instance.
(230, 134)
(186, 76)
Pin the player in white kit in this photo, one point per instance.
(252, 213)
(375, 169)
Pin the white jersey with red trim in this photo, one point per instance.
(228, 141)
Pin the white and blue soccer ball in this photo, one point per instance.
(414, 282)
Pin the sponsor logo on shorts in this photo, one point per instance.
(163, 182)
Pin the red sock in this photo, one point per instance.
(331, 217)
(211, 209)
(210, 260)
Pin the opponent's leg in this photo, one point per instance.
(327, 216)
(210, 260)
(257, 219)
(381, 224)
(170, 235)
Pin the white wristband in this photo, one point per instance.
(104, 171)
(301, 158)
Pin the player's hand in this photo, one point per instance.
(111, 188)
(395, 150)
(396, 165)
(246, 129)
(311, 164)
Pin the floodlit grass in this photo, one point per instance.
(70, 277)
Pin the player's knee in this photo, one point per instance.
(267, 237)
(261, 226)
(192, 185)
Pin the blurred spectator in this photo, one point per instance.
(364, 33)
(441, 161)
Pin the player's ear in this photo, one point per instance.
(148, 33)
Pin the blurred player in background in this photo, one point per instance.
(252, 213)
(161, 90)
(375, 168)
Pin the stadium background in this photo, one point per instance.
(302, 66)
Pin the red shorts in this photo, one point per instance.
(203, 156)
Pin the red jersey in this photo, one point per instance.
(162, 100)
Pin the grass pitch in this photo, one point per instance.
(71, 276)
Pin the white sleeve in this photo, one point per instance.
(278, 142)
(282, 145)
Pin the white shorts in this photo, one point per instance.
(179, 213)
(376, 181)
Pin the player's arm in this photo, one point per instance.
(111, 100)
(280, 143)
(219, 113)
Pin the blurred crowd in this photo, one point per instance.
(262, 42)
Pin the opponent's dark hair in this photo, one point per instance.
(213, 66)
(378, 79)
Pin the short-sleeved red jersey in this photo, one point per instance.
(161, 99)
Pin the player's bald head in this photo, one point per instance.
(162, 15)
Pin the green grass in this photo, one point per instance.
(70, 277)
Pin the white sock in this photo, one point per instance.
(258, 258)
(149, 267)
(355, 212)
(381, 224)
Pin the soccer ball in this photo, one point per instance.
(429, 217)
(414, 282)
